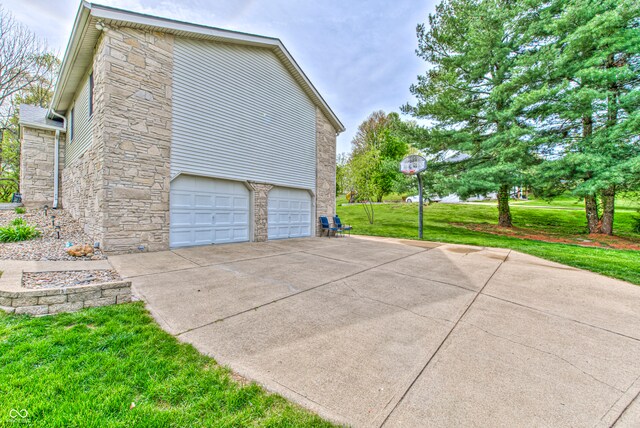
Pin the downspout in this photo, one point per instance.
(56, 158)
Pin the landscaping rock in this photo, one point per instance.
(68, 278)
(48, 246)
(80, 251)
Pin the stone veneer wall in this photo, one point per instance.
(119, 188)
(36, 165)
(83, 190)
(260, 211)
(325, 168)
(70, 299)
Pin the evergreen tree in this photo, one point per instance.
(473, 48)
(584, 75)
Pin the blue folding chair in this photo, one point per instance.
(324, 222)
(340, 226)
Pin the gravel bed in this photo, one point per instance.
(47, 246)
(67, 278)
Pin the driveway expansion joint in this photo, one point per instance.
(515, 342)
(298, 293)
(391, 305)
(553, 314)
(404, 394)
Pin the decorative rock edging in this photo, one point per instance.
(70, 299)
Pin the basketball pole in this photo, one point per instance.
(420, 205)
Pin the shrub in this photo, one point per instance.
(18, 221)
(18, 231)
(20, 210)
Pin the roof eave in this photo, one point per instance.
(78, 28)
(42, 126)
(87, 10)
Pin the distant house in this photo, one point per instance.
(166, 134)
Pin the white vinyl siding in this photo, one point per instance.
(82, 131)
(239, 114)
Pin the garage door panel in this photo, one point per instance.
(240, 234)
(289, 213)
(181, 237)
(240, 218)
(223, 201)
(202, 218)
(181, 200)
(203, 236)
(208, 211)
(181, 218)
(222, 235)
(239, 202)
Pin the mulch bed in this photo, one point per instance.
(594, 240)
(47, 246)
(68, 278)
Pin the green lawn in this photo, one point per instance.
(401, 221)
(626, 202)
(85, 370)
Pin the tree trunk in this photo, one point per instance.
(605, 225)
(590, 201)
(591, 209)
(504, 217)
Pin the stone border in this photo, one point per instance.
(46, 301)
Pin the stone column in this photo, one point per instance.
(260, 210)
(135, 96)
(36, 166)
(325, 168)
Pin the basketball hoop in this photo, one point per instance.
(413, 164)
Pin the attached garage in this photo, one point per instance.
(289, 213)
(208, 211)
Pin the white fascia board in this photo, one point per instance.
(42, 126)
(105, 12)
(71, 51)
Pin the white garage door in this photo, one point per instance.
(208, 211)
(289, 213)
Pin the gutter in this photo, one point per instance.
(56, 158)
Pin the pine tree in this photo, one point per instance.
(584, 74)
(473, 50)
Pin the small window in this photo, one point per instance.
(71, 126)
(91, 95)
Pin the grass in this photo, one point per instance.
(624, 203)
(401, 221)
(85, 369)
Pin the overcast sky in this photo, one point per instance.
(360, 54)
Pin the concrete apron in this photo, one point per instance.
(404, 333)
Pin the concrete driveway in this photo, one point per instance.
(373, 332)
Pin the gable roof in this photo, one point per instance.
(36, 117)
(84, 36)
